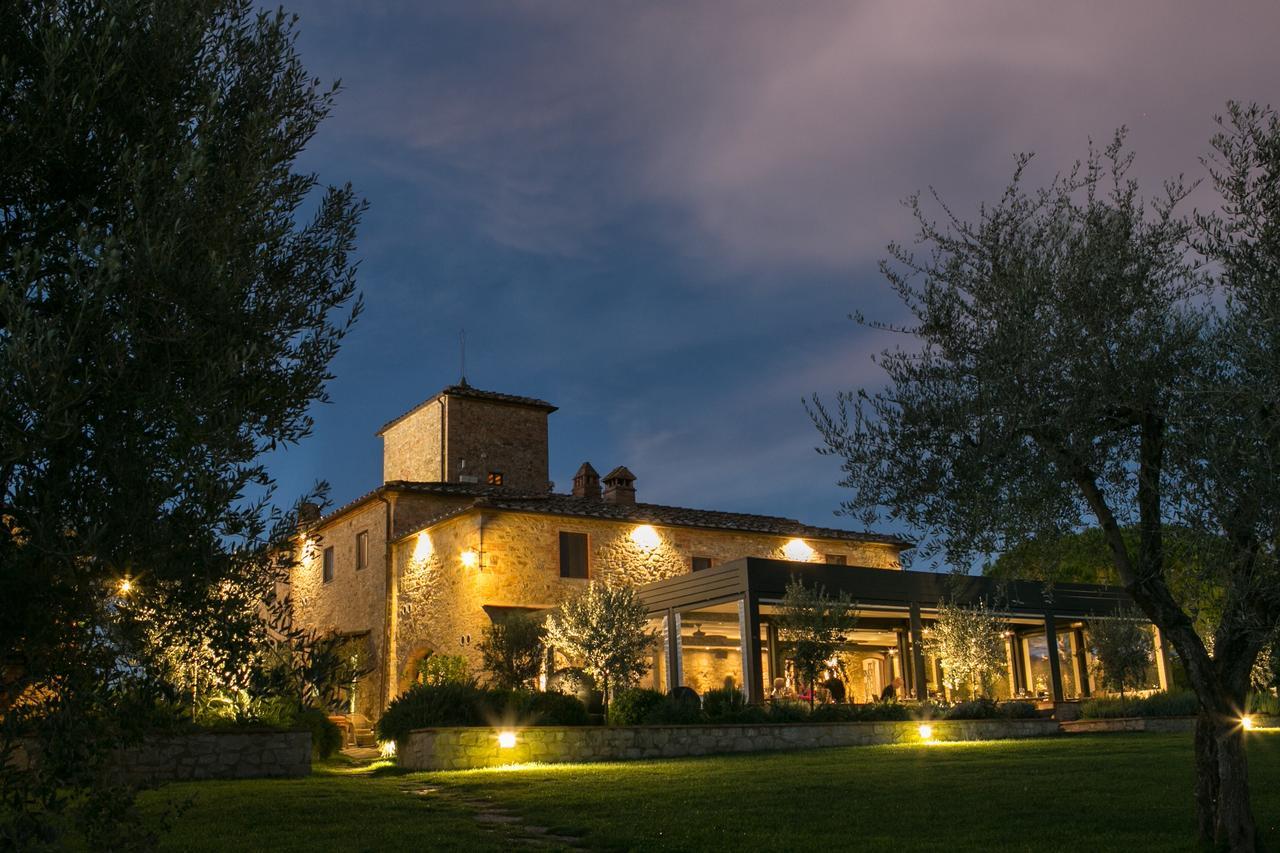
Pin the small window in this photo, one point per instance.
(573, 555)
(495, 478)
(700, 563)
(362, 550)
(328, 564)
(837, 559)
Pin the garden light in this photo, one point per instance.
(126, 586)
(1246, 723)
(506, 740)
(926, 731)
(798, 550)
(387, 749)
(646, 537)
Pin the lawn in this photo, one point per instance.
(1103, 792)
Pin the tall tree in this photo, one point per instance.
(1077, 365)
(172, 291)
(812, 626)
(970, 642)
(606, 628)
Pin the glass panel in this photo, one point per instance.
(656, 677)
(711, 648)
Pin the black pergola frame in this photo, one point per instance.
(753, 581)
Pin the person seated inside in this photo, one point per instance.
(779, 688)
(835, 690)
(891, 692)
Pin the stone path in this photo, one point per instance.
(494, 817)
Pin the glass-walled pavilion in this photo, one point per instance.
(716, 629)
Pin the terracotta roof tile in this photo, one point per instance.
(464, 390)
(672, 516)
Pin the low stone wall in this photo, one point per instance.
(463, 748)
(217, 755)
(1130, 724)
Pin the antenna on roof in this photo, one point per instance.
(462, 355)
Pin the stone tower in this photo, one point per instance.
(465, 435)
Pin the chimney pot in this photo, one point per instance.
(586, 483)
(620, 486)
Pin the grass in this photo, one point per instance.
(1103, 792)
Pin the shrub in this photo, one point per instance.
(424, 705)
(326, 737)
(1173, 704)
(1019, 710)
(444, 669)
(532, 708)
(632, 707)
(833, 714)
(878, 712)
(676, 709)
(723, 702)
(787, 711)
(513, 651)
(974, 709)
(1263, 703)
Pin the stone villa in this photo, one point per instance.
(465, 529)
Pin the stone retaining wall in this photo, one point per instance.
(462, 748)
(217, 755)
(1130, 724)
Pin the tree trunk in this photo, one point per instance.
(1206, 767)
(1235, 826)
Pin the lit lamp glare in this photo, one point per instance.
(506, 740)
(646, 537)
(387, 749)
(926, 731)
(126, 586)
(797, 550)
(422, 549)
(1246, 723)
(470, 559)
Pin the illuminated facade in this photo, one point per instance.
(466, 530)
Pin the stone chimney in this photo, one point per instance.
(620, 486)
(586, 483)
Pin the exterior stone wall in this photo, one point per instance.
(412, 448)
(1130, 724)
(354, 602)
(463, 748)
(493, 436)
(217, 755)
(439, 606)
(204, 755)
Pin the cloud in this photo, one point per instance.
(776, 138)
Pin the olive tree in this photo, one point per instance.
(172, 291)
(969, 640)
(606, 629)
(1122, 649)
(1075, 362)
(513, 651)
(812, 626)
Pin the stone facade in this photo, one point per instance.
(464, 748)
(452, 437)
(415, 596)
(440, 602)
(413, 447)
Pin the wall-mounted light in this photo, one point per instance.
(798, 550)
(423, 548)
(470, 559)
(506, 740)
(646, 537)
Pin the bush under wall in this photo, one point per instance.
(1171, 704)
(430, 706)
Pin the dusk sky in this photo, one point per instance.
(658, 216)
